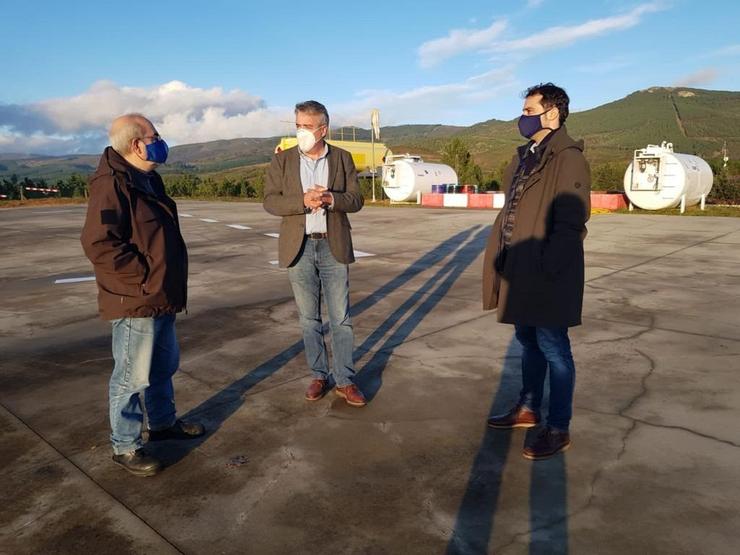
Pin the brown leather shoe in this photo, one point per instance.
(545, 443)
(518, 417)
(316, 390)
(352, 394)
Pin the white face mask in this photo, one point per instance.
(306, 139)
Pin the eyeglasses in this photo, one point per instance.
(308, 127)
(156, 137)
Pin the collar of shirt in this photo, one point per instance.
(324, 154)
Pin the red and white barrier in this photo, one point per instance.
(609, 201)
(41, 189)
(463, 200)
(496, 200)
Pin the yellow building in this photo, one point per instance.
(362, 151)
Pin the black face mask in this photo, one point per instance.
(529, 125)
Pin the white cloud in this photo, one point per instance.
(726, 51)
(181, 113)
(699, 78)
(186, 114)
(563, 35)
(428, 104)
(458, 41)
(603, 67)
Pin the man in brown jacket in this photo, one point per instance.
(312, 187)
(533, 271)
(132, 237)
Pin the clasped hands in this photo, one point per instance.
(316, 198)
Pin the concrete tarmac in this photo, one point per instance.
(654, 466)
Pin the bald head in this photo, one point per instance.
(125, 129)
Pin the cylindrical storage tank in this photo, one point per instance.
(658, 178)
(405, 176)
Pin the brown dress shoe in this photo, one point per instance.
(546, 443)
(138, 463)
(518, 417)
(352, 394)
(316, 390)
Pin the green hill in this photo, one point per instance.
(696, 121)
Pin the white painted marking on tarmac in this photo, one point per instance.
(208, 220)
(275, 235)
(65, 211)
(360, 254)
(274, 262)
(75, 280)
(186, 215)
(238, 226)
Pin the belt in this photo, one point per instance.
(316, 235)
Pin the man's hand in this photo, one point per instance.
(320, 198)
(327, 199)
(312, 199)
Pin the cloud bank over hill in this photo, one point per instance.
(182, 114)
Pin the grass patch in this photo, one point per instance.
(710, 210)
(42, 202)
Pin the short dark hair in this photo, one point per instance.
(313, 107)
(552, 96)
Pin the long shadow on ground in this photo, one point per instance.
(214, 411)
(548, 491)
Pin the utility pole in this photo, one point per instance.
(725, 158)
(374, 132)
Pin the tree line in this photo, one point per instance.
(607, 176)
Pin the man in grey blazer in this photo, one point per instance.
(313, 187)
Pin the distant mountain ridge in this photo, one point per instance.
(696, 121)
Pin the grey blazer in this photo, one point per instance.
(284, 197)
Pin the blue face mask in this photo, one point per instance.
(529, 125)
(157, 152)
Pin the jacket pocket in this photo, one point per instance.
(120, 285)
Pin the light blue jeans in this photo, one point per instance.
(315, 272)
(146, 356)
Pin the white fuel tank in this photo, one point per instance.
(404, 176)
(657, 178)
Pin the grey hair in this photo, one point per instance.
(313, 107)
(121, 136)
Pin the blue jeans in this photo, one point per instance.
(146, 356)
(315, 272)
(543, 347)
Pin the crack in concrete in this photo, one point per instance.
(659, 328)
(655, 258)
(602, 469)
(92, 480)
(664, 426)
(289, 460)
(637, 334)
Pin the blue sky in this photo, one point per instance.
(224, 69)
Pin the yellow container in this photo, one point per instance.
(361, 151)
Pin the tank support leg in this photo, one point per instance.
(632, 206)
(703, 201)
(683, 204)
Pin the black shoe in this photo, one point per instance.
(179, 430)
(138, 463)
(545, 443)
